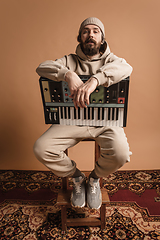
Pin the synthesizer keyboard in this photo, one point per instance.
(108, 106)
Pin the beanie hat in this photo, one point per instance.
(92, 21)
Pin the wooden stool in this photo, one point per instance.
(63, 201)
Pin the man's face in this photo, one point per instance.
(91, 39)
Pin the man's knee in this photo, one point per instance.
(47, 152)
(121, 158)
(121, 148)
(39, 149)
(115, 148)
(115, 157)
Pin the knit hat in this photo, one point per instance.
(92, 21)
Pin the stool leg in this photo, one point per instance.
(97, 155)
(64, 183)
(64, 218)
(103, 216)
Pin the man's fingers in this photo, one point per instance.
(86, 98)
(80, 98)
(81, 95)
(83, 101)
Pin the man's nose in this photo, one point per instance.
(91, 34)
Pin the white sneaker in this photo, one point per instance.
(94, 196)
(78, 193)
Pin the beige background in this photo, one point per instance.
(33, 31)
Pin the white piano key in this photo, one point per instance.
(96, 118)
(77, 119)
(60, 117)
(115, 121)
(67, 119)
(101, 120)
(81, 116)
(72, 121)
(121, 117)
(91, 120)
(105, 117)
(94, 121)
(87, 120)
(75, 116)
(95, 115)
(84, 120)
(114, 117)
(63, 122)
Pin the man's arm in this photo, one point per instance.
(114, 70)
(80, 91)
(57, 71)
(54, 70)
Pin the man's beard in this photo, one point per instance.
(89, 49)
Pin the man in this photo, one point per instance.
(93, 58)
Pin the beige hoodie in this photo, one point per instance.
(107, 68)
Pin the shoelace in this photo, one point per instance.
(78, 185)
(94, 187)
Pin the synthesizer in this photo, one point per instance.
(108, 105)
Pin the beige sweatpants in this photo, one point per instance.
(49, 148)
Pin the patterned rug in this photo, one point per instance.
(28, 207)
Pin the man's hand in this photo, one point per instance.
(81, 98)
(80, 91)
(74, 82)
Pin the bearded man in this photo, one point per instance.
(94, 58)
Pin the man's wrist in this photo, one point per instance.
(66, 76)
(95, 80)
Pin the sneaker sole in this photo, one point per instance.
(81, 206)
(78, 206)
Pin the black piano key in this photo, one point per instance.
(109, 113)
(88, 112)
(61, 109)
(79, 116)
(99, 113)
(117, 111)
(84, 113)
(69, 113)
(65, 113)
(74, 113)
(102, 113)
(92, 117)
(113, 112)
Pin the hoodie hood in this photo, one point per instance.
(105, 53)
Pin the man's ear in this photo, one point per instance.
(102, 41)
(79, 38)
